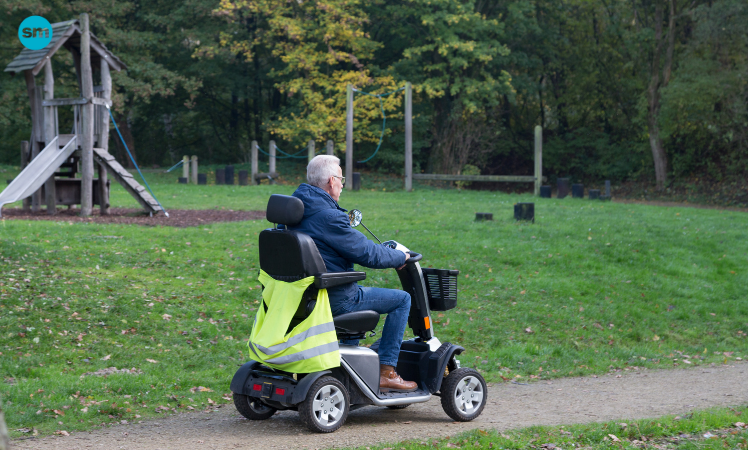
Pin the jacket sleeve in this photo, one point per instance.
(355, 247)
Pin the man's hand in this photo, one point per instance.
(407, 257)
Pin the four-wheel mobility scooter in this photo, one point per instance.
(324, 399)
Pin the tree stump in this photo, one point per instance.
(182, 180)
(202, 178)
(229, 175)
(594, 194)
(220, 176)
(356, 181)
(524, 211)
(545, 192)
(577, 191)
(243, 178)
(483, 216)
(563, 187)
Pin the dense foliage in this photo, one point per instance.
(623, 89)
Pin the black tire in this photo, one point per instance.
(460, 394)
(398, 406)
(326, 406)
(252, 408)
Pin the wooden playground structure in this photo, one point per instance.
(87, 145)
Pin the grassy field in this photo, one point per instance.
(715, 429)
(589, 288)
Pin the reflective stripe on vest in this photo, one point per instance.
(313, 331)
(306, 354)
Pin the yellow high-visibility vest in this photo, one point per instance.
(310, 346)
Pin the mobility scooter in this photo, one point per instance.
(324, 399)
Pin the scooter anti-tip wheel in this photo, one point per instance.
(326, 406)
(464, 394)
(252, 408)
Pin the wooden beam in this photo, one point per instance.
(310, 151)
(37, 133)
(253, 158)
(106, 93)
(87, 120)
(330, 148)
(79, 101)
(271, 163)
(49, 134)
(494, 178)
(538, 158)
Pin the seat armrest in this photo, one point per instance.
(330, 279)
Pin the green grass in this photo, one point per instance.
(714, 429)
(590, 288)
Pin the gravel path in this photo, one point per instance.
(564, 401)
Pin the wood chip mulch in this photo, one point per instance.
(177, 217)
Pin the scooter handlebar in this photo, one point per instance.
(414, 257)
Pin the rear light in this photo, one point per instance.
(280, 391)
(256, 387)
(427, 322)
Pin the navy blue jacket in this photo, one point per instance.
(339, 244)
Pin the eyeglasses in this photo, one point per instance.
(342, 179)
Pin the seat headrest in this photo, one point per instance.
(284, 209)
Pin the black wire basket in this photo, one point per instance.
(441, 287)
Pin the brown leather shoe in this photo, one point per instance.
(389, 380)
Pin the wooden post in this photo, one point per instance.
(194, 169)
(87, 118)
(49, 134)
(271, 164)
(253, 157)
(330, 148)
(37, 133)
(106, 94)
(310, 151)
(185, 166)
(349, 135)
(24, 161)
(408, 137)
(538, 159)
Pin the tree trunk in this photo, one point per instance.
(653, 92)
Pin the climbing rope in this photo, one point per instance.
(133, 161)
(384, 118)
(175, 166)
(282, 157)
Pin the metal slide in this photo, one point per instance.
(38, 171)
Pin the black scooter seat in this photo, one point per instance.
(356, 322)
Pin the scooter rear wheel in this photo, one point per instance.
(252, 408)
(464, 394)
(326, 406)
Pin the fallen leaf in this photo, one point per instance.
(614, 438)
(151, 360)
(200, 389)
(62, 433)
(410, 421)
(166, 317)
(106, 358)
(211, 402)
(529, 330)
(57, 411)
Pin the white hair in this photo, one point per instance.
(321, 168)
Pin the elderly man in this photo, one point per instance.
(341, 246)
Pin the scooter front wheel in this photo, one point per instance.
(326, 406)
(252, 408)
(464, 394)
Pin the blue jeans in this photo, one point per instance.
(393, 302)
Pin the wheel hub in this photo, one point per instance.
(469, 395)
(328, 406)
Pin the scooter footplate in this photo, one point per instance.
(391, 395)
